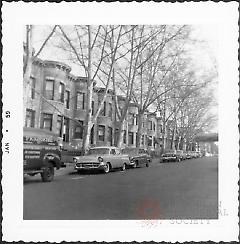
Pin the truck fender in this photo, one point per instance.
(54, 158)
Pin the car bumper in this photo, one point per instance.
(88, 166)
(169, 159)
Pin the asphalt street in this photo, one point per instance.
(185, 190)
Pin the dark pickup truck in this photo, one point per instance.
(41, 153)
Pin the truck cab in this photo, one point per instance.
(41, 153)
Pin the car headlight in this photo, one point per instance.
(75, 160)
(100, 159)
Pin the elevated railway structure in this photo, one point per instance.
(208, 137)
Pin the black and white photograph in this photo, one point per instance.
(122, 125)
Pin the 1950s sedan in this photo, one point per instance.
(138, 157)
(102, 158)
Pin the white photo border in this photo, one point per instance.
(16, 15)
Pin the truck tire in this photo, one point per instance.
(48, 173)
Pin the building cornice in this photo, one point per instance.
(58, 65)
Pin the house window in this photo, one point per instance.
(131, 119)
(136, 119)
(154, 126)
(30, 118)
(61, 92)
(116, 134)
(110, 111)
(142, 140)
(33, 86)
(130, 138)
(103, 110)
(67, 99)
(66, 130)
(150, 141)
(110, 135)
(124, 137)
(80, 100)
(78, 133)
(154, 142)
(47, 121)
(49, 91)
(93, 108)
(92, 135)
(150, 125)
(143, 124)
(59, 125)
(101, 132)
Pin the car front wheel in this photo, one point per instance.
(106, 168)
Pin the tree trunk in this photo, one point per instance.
(121, 133)
(88, 120)
(178, 143)
(139, 132)
(173, 146)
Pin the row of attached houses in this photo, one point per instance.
(57, 98)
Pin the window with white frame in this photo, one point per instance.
(61, 92)
(30, 118)
(47, 121)
(101, 132)
(49, 90)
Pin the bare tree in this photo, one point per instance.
(157, 60)
(181, 85)
(125, 74)
(94, 49)
(196, 116)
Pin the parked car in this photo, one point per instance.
(170, 156)
(180, 154)
(138, 156)
(184, 155)
(102, 158)
(194, 154)
(189, 155)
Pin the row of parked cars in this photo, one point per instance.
(108, 158)
(179, 155)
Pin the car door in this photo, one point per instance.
(141, 156)
(112, 158)
(118, 158)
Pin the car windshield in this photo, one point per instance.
(96, 151)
